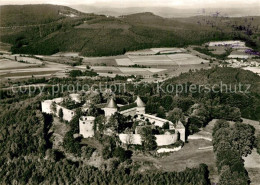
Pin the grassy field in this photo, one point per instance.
(189, 156)
(15, 70)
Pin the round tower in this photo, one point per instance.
(111, 108)
(140, 109)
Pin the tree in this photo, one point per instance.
(60, 114)
(118, 123)
(93, 111)
(175, 115)
(227, 177)
(53, 107)
(161, 112)
(243, 138)
(122, 154)
(166, 102)
(166, 125)
(258, 144)
(148, 140)
(99, 123)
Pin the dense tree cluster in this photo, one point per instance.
(258, 144)
(230, 144)
(76, 73)
(148, 139)
(41, 171)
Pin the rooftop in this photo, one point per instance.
(111, 104)
(139, 102)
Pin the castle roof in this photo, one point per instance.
(139, 102)
(111, 104)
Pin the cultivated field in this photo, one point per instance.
(17, 70)
(168, 50)
(124, 62)
(66, 54)
(9, 64)
(141, 52)
(14, 62)
(253, 69)
(171, 61)
(152, 60)
(162, 60)
(126, 70)
(186, 59)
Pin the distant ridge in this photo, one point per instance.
(169, 12)
(48, 29)
(17, 15)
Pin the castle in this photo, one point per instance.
(137, 109)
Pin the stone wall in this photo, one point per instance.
(67, 114)
(165, 150)
(194, 137)
(161, 140)
(46, 108)
(131, 112)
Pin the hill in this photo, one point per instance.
(21, 15)
(170, 12)
(65, 29)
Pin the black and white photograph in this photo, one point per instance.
(129, 92)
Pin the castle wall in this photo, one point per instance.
(140, 110)
(161, 140)
(165, 150)
(131, 112)
(196, 136)
(153, 119)
(182, 134)
(46, 108)
(67, 114)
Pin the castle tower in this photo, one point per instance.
(181, 129)
(140, 109)
(86, 124)
(111, 108)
